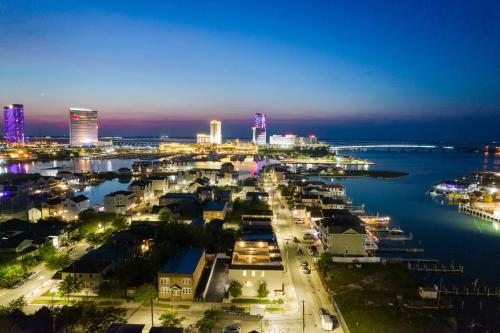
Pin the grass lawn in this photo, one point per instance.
(256, 301)
(49, 301)
(371, 299)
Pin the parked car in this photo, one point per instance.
(31, 275)
(311, 252)
(282, 207)
(306, 270)
(17, 284)
(299, 221)
(304, 263)
(299, 250)
(296, 240)
(234, 328)
(234, 310)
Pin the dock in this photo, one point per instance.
(473, 292)
(402, 249)
(478, 213)
(396, 237)
(418, 267)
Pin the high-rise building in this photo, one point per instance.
(215, 132)
(83, 128)
(285, 141)
(14, 123)
(259, 130)
(203, 139)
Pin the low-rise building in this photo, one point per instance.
(183, 199)
(74, 206)
(215, 210)
(253, 263)
(224, 195)
(258, 197)
(179, 278)
(119, 202)
(143, 190)
(345, 235)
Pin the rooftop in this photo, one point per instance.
(113, 194)
(215, 206)
(184, 262)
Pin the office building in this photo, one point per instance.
(215, 132)
(14, 123)
(83, 128)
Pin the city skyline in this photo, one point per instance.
(330, 69)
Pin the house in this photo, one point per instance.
(179, 278)
(159, 185)
(53, 207)
(332, 203)
(199, 182)
(74, 206)
(299, 212)
(249, 184)
(93, 266)
(15, 242)
(143, 190)
(224, 195)
(166, 330)
(344, 235)
(249, 221)
(205, 193)
(253, 263)
(336, 190)
(215, 210)
(57, 232)
(257, 197)
(310, 200)
(119, 202)
(184, 199)
(125, 328)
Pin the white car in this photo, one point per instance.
(234, 328)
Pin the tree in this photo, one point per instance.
(58, 262)
(10, 273)
(15, 305)
(70, 284)
(111, 289)
(170, 318)
(211, 318)
(119, 223)
(145, 293)
(325, 263)
(262, 291)
(98, 320)
(235, 289)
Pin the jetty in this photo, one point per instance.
(478, 213)
(434, 268)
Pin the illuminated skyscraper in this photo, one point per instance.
(83, 129)
(215, 132)
(14, 123)
(259, 130)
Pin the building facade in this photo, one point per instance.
(259, 129)
(119, 202)
(14, 123)
(215, 132)
(83, 127)
(178, 279)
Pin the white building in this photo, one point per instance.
(251, 264)
(119, 202)
(215, 132)
(83, 128)
(74, 206)
(286, 141)
(203, 139)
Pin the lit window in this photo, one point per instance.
(262, 273)
(249, 283)
(244, 273)
(253, 273)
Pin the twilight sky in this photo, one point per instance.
(340, 69)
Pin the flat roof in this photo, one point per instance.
(184, 262)
(215, 205)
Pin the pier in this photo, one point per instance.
(404, 249)
(418, 267)
(465, 291)
(396, 237)
(478, 213)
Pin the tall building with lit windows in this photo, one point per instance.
(83, 128)
(14, 123)
(259, 130)
(215, 132)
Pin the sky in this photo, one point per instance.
(406, 70)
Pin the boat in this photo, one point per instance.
(396, 231)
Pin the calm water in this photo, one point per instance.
(443, 232)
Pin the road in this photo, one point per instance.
(41, 282)
(307, 293)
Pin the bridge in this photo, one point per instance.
(406, 147)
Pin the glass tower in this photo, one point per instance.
(259, 130)
(14, 123)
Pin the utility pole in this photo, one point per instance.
(151, 302)
(303, 317)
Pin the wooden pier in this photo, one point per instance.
(418, 267)
(474, 292)
(395, 237)
(403, 249)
